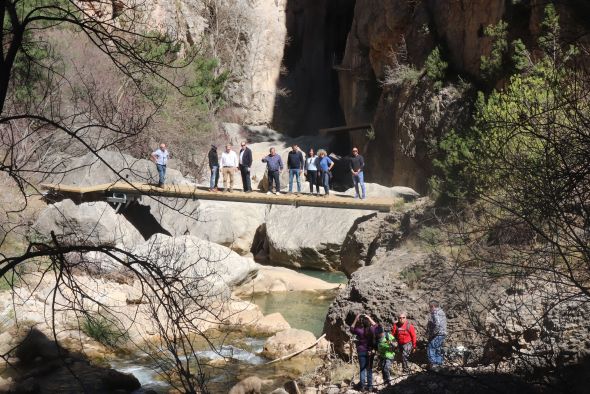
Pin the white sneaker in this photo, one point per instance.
(277, 193)
(269, 192)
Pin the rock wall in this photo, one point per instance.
(391, 32)
(403, 32)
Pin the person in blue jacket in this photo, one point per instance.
(326, 165)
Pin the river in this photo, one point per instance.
(239, 356)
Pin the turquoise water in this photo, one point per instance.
(302, 309)
(331, 277)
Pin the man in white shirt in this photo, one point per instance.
(229, 164)
(160, 157)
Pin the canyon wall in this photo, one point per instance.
(311, 64)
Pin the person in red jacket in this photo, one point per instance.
(405, 334)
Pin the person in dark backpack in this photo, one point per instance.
(386, 352)
(405, 335)
(214, 167)
(364, 329)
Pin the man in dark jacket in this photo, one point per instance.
(245, 164)
(357, 165)
(295, 162)
(214, 167)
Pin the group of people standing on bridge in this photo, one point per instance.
(317, 169)
(373, 339)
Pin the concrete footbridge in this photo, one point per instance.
(123, 193)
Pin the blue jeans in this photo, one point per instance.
(435, 356)
(294, 173)
(359, 178)
(161, 173)
(326, 181)
(214, 177)
(366, 369)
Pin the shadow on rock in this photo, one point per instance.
(463, 383)
(45, 367)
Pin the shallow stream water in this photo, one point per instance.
(239, 356)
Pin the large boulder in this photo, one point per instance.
(227, 223)
(533, 324)
(309, 237)
(200, 260)
(372, 236)
(287, 342)
(91, 223)
(271, 324)
(381, 290)
(230, 224)
(281, 279)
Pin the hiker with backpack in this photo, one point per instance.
(364, 329)
(386, 352)
(405, 335)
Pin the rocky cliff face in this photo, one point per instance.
(400, 32)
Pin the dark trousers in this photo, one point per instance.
(405, 351)
(245, 171)
(312, 177)
(274, 176)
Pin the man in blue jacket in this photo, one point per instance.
(245, 164)
(274, 165)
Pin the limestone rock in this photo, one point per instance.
(378, 290)
(90, 223)
(271, 324)
(287, 342)
(273, 279)
(309, 237)
(203, 260)
(376, 190)
(230, 224)
(378, 233)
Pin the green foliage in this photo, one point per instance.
(370, 134)
(401, 74)
(157, 47)
(455, 181)
(208, 84)
(28, 71)
(8, 281)
(492, 66)
(104, 330)
(520, 56)
(549, 40)
(431, 236)
(510, 137)
(412, 276)
(504, 59)
(436, 67)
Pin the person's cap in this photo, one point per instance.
(379, 330)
